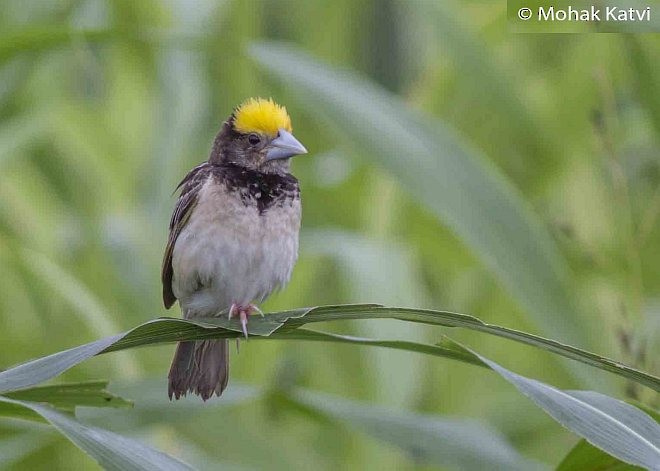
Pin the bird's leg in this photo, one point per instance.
(243, 313)
(233, 309)
(243, 316)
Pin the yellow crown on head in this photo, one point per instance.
(262, 116)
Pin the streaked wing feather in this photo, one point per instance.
(185, 205)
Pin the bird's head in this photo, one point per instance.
(257, 136)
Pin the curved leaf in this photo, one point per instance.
(42, 369)
(435, 350)
(68, 396)
(618, 428)
(282, 325)
(110, 450)
(586, 457)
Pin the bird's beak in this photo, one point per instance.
(284, 146)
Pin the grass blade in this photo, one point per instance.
(110, 450)
(42, 369)
(69, 395)
(586, 457)
(619, 429)
(282, 325)
(435, 350)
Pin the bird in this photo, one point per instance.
(233, 236)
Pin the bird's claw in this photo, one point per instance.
(243, 316)
(243, 313)
(252, 307)
(232, 310)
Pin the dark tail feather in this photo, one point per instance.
(201, 367)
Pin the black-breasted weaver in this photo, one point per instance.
(233, 236)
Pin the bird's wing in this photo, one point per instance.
(190, 187)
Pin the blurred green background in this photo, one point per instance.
(105, 105)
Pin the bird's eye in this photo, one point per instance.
(254, 139)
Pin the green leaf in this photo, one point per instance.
(618, 428)
(454, 443)
(110, 450)
(435, 350)
(586, 457)
(444, 173)
(591, 415)
(15, 411)
(618, 411)
(451, 319)
(61, 396)
(69, 395)
(40, 370)
(283, 325)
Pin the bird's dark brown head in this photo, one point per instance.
(257, 136)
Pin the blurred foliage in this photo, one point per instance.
(105, 104)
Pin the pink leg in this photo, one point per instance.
(233, 309)
(243, 313)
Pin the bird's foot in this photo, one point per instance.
(254, 307)
(243, 312)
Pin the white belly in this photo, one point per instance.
(230, 253)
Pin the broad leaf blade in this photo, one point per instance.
(110, 450)
(443, 173)
(451, 319)
(280, 325)
(632, 440)
(586, 457)
(70, 395)
(16, 411)
(435, 350)
(42, 369)
(618, 428)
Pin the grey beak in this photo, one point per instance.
(284, 146)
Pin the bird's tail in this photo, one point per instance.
(201, 367)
